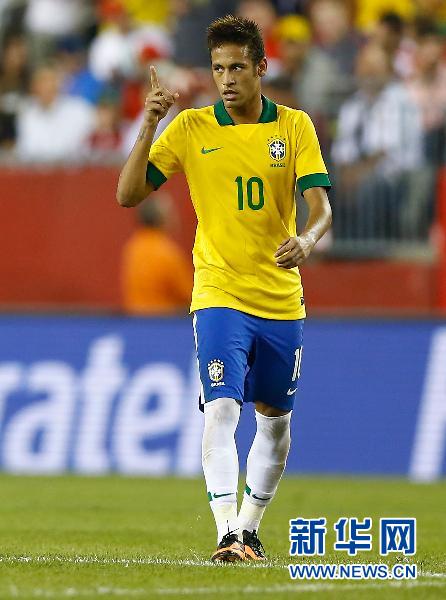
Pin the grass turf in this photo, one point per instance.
(87, 537)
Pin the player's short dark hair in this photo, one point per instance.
(237, 30)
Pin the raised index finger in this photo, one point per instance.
(154, 78)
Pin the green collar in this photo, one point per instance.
(269, 112)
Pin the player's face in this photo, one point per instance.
(236, 76)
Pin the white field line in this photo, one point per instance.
(298, 588)
(126, 562)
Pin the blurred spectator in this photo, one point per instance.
(110, 55)
(428, 89)
(14, 80)
(156, 275)
(390, 34)
(78, 80)
(332, 25)
(379, 140)
(104, 143)
(52, 127)
(305, 71)
(191, 19)
(49, 21)
(264, 14)
(369, 12)
(115, 53)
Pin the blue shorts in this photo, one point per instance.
(247, 358)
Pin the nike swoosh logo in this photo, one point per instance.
(258, 497)
(221, 495)
(291, 392)
(207, 150)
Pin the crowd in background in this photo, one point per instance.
(371, 74)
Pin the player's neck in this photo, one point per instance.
(250, 113)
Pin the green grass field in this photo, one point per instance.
(112, 537)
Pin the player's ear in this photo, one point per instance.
(262, 67)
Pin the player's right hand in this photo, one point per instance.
(158, 100)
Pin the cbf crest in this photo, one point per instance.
(216, 370)
(277, 148)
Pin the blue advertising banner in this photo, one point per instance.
(94, 395)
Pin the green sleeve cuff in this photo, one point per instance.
(313, 180)
(154, 175)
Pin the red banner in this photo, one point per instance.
(62, 234)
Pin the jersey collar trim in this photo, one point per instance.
(269, 112)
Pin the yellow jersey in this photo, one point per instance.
(242, 181)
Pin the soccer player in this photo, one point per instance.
(242, 158)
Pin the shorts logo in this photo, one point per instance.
(216, 369)
(277, 148)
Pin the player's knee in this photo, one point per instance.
(220, 422)
(277, 431)
(222, 412)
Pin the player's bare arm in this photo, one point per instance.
(132, 186)
(293, 251)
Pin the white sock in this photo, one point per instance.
(249, 516)
(220, 462)
(264, 468)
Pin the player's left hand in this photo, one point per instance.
(294, 251)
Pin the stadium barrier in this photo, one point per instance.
(384, 218)
(94, 395)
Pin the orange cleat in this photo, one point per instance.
(230, 549)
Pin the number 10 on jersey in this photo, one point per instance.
(254, 193)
